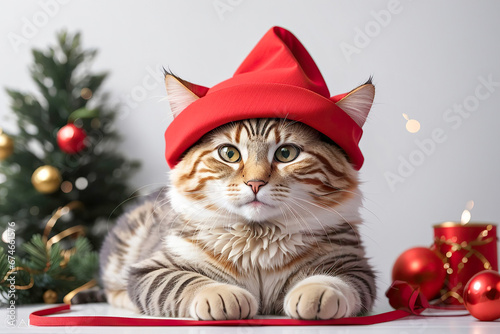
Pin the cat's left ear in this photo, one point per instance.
(181, 93)
(357, 103)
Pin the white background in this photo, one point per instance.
(426, 58)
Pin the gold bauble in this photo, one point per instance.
(6, 146)
(50, 297)
(46, 179)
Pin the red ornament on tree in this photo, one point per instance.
(482, 295)
(420, 267)
(71, 139)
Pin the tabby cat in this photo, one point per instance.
(261, 217)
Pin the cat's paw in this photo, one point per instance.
(223, 302)
(316, 300)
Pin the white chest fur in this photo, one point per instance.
(252, 246)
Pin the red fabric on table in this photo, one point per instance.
(39, 318)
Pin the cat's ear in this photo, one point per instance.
(357, 103)
(178, 94)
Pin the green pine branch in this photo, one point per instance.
(48, 270)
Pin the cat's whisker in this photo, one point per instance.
(355, 194)
(198, 222)
(305, 223)
(332, 210)
(130, 198)
(297, 215)
(361, 206)
(291, 198)
(326, 208)
(357, 232)
(312, 214)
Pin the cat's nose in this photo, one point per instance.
(256, 184)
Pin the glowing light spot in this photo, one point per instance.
(413, 126)
(448, 254)
(7, 237)
(415, 266)
(477, 286)
(66, 187)
(81, 183)
(465, 217)
(86, 93)
(34, 210)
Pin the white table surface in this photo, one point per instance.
(441, 325)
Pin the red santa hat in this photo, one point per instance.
(278, 79)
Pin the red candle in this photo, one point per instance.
(465, 249)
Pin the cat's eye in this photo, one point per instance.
(229, 153)
(286, 153)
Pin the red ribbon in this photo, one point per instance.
(401, 295)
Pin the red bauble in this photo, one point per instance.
(71, 139)
(422, 268)
(482, 295)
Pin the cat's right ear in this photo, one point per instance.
(178, 94)
(358, 102)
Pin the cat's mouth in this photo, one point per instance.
(256, 210)
(257, 204)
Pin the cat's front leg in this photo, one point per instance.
(158, 286)
(321, 297)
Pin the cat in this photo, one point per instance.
(261, 217)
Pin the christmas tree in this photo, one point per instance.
(62, 157)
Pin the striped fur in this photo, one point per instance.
(204, 248)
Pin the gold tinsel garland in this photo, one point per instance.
(50, 296)
(482, 239)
